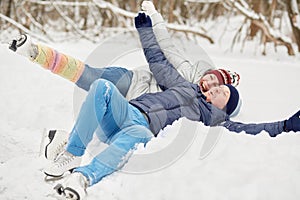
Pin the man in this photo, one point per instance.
(198, 72)
(122, 124)
(131, 83)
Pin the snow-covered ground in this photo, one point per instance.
(239, 167)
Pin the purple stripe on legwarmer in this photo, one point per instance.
(56, 58)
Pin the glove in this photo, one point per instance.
(148, 7)
(293, 123)
(23, 45)
(142, 21)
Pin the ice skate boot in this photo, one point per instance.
(73, 187)
(63, 163)
(23, 45)
(57, 141)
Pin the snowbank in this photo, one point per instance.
(240, 165)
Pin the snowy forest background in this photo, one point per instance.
(257, 39)
(274, 22)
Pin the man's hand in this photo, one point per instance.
(148, 7)
(142, 21)
(293, 123)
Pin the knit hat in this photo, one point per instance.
(226, 76)
(234, 103)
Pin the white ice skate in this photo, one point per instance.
(23, 45)
(63, 163)
(73, 187)
(57, 142)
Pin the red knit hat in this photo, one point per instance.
(226, 76)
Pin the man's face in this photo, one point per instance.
(218, 96)
(208, 81)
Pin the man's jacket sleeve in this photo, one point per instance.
(163, 71)
(190, 71)
(172, 53)
(274, 128)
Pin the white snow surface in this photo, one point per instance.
(240, 166)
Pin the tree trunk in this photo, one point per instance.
(171, 8)
(296, 30)
(5, 7)
(259, 7)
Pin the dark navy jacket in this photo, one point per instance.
(181, 98)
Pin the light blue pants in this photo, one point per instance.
(119, 76)
(116, 122)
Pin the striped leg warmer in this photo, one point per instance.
(58, 63)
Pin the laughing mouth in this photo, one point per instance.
(203, 86)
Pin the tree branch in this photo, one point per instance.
(186, 29)
(24, 29)
(59, 3)
(71, 22)
(259, 20)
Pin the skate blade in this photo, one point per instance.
(71, 194)
(59, 189)
(66, 193)
(51, 178)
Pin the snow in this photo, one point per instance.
(239, 166)
(297, 23)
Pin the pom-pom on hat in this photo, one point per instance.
(234, 103)
(226, 76)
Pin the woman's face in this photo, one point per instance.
(208, 81)
(218, 96)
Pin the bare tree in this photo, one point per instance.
(85, 18)
(260, 22)
(294, 18)
(93, 18)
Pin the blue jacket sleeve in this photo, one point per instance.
(274, 128)
(163, 71)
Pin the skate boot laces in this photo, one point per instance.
(59, 149)
(64, 159)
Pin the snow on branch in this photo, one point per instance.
(99, 3)
(59, 3)
(295, 13)
(71, 22)
(22, 28)
(294, 7)
(179, 28)
(203, 1)
(110, 15)
(116, 10)
(32, 19)
(113, 8)
(260, 21)
(187, 29)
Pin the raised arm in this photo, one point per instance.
(163, 71)
(190, 71)
(274, 129)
